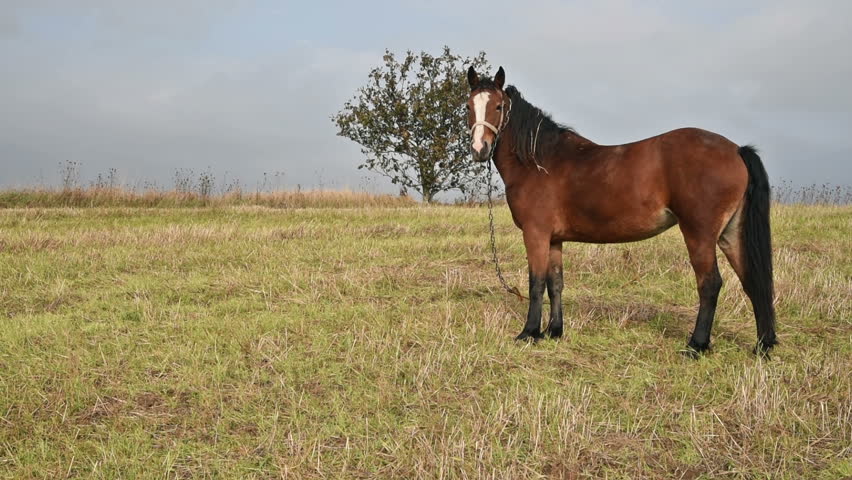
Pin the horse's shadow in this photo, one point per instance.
(669, 321)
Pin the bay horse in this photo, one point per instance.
(562, 187)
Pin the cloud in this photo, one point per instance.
(8, 27)
(619, 71)
(243, 117)
(150, 87)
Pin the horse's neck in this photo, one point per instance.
(510, 167)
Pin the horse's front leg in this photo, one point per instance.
(538, 247)
(554, 289)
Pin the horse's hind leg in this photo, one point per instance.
(554, 290)
(733, 246)
(701, 244)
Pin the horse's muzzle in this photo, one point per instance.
(483, 154)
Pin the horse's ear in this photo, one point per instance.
(472, 78)
(500, 78)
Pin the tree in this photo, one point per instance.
(410, 122)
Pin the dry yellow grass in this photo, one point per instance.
(254, 342)
(118, 197)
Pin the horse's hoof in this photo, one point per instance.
(554, 333)
(690, 353)
(529, 337)
(695, 351)
(762, 351)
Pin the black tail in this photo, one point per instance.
(758, 248)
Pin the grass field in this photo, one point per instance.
(252, 342)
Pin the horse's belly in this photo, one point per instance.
(618, 229)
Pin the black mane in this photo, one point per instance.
(535, 133)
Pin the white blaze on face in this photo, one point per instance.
(479, 103)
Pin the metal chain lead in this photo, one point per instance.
(512, 290)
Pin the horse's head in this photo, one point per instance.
(488, 109)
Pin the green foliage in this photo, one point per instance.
(409, 120)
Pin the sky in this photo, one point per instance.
(245, 88)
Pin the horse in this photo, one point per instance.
(563, 187)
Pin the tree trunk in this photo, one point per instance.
(427, 188)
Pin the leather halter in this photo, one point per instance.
(500, 125)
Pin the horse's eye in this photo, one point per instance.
(499, 108)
